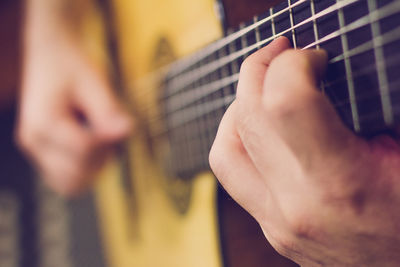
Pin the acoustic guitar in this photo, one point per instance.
(176, 63)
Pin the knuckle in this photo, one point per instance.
(216, 160)
(303, 226)
(219, 165)
(285, 246)
(351, 199)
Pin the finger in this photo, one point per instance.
(66, 173)
(299, 114)
(251, 121)
(253, 69)
(62, 173)
(69, 136)
(234, 169)
(99, 105)
(69, 148)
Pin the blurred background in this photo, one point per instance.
(37, 228)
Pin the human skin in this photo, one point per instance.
(69, 117)
(323, 196)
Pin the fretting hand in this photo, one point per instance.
(322, 196)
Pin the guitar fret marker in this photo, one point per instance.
(381, 70)
(349, 75)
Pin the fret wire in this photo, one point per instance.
(243, 40)
(381, 71)
(176, 86)
(316, 36)
(234, 64)
(217, 113)
(315, 27)
(224, 74)
(273, 28)
(349, 74)
(203, 135)
(257, 31)
(292, 24)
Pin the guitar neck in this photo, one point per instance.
(361, 37)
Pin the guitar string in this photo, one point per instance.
(221, 103)
(391, 62)
(196, 58)
(233, 37)
(361, 97)
(337, 34)
(378, 65)
(213, 87)
(179, 82)
(208, 107)
(185, 63)
(188, 78)
(187, 97)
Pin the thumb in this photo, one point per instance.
(100, 107)
(300, 114)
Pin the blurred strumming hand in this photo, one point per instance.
(69, 117)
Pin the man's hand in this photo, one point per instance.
(69, 117)
(322, 196)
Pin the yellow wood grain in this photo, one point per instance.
(154, 233)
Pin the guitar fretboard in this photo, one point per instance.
(362, 38)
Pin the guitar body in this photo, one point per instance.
(143, 225)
